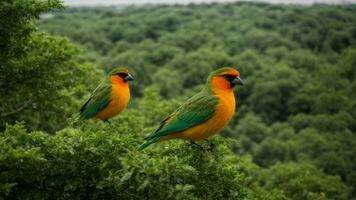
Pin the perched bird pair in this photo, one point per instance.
(198, 118)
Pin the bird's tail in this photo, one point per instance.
(148, 143)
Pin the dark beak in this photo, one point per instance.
(237, 81)
(128, 78)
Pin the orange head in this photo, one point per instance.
(120, 76)
(225, 79)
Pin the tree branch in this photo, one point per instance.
(19, 109)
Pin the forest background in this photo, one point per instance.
(293, 135)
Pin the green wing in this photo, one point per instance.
(195, 111)
(98, 101)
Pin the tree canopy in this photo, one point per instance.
(292, 137)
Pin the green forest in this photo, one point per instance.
(292, 137)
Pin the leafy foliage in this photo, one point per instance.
(100, 161)
(293, 136)
(40, 80)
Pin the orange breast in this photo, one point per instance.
(120, 97)
(223, 114)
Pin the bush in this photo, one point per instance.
(104, 163)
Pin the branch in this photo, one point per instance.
(26, 104)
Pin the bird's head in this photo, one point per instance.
(225, 79)
(120, 75)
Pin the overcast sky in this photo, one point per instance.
(138, 2)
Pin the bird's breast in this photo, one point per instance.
(120, 97)
(223, 114)
(225, 108)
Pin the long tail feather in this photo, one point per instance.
(148, 143)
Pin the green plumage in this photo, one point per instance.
(101, 96)
(97, 101)
(195, 111)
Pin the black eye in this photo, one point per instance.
(122, 75)
(229, 77)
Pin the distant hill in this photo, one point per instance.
(140, 2)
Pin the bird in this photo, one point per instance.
(109, 98)
(202, 115)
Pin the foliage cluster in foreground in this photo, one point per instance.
(101, 161)
(96, 160)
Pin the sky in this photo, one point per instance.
(140, 2)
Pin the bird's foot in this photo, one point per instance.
(107, 121)
(211, 145)
(196, 145)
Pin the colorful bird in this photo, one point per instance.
(203, 114)
(109, 98)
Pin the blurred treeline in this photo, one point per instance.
(292, 137)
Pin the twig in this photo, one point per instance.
(26, 104)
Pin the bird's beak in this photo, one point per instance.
(237, 81)
(128, 78)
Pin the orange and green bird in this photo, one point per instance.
(203, 114)
(109, 98)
